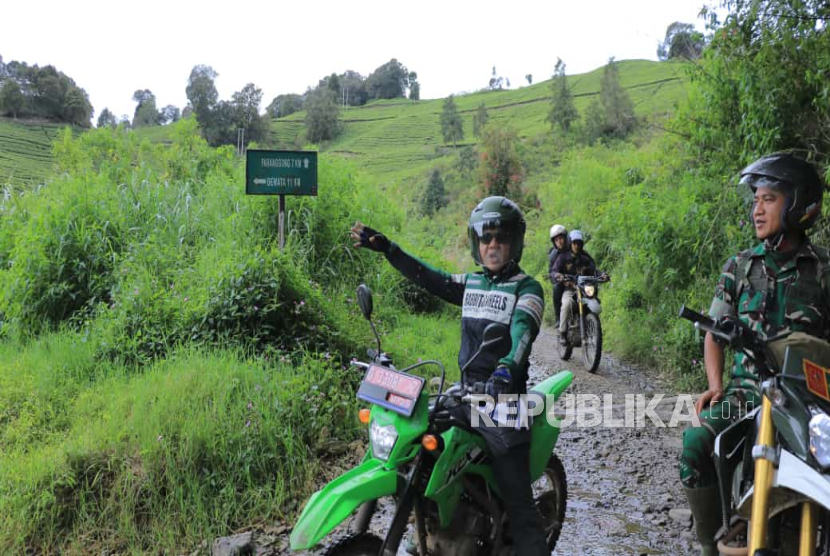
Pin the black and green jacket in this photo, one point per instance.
(511, 297)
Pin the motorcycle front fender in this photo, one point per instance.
(796, 475)
(593, 305)
(328, 507)
(794, 482)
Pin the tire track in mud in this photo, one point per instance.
(622, 482)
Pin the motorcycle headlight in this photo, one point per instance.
(820, 439)
(383, 439)
(590, 290)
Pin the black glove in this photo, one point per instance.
(380, 243)
(500, 382)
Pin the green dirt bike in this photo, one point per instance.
(433, 466)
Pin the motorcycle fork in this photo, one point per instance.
(807, 534)
(581, 315)
(764, 455)
(406, 503)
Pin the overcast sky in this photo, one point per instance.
(112, 48)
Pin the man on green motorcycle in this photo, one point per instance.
(502, 293)
(781, 285)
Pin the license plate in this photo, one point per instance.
(391, 389)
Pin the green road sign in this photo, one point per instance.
(280, 172)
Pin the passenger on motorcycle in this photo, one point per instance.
(576, 261)
(780, 285)
(501, 292)
(559, 241)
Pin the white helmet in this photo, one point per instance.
(557, 230)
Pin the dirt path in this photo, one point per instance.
(622, 482)
(624, 494)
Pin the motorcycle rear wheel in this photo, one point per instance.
(550, 493)
(360, 544)
(592, 342)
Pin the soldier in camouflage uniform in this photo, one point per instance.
(779, 286)
(500, 293)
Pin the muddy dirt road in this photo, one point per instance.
(624, 495)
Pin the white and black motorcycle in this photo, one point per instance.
(584, 327)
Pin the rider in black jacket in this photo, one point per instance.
(575, 262)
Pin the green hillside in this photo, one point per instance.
(392, 139)
(26, 150)
(395, 139)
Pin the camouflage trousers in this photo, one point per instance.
(697, 464)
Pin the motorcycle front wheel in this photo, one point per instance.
(550, 493)
(359, 544)
(592, 342)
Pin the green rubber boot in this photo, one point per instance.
(705, 505)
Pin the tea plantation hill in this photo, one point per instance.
(391, 140)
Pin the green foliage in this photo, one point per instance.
(563, 112)
(322, 119)
(451, 125)
(11, 98)
(391, 80)
(434, 195)
(480, 120)
(146, 113)
(682, 41)
(501, 169)
(46, 92)
(107, 119)
(619, 110)
(201, 92)
(760, 86)
(284, 105)
(414, 86)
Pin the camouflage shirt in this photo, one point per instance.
(774, 293)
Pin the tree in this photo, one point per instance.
(391, 80)
(107, 118)
(170, 114)
(434, 196)
(619, 110)
(11, 97)
(529, 78)
(563, 112)
(353, 89)
(414, 86)
(246, 106)
(451, 125)
(201, 92)
(146, 113)
(322, 118)
(480, 120)
(284, 105)
(501, 168)
(496, 81)
(76, 107)
(682, 41)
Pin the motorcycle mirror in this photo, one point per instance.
(364, 300)
(493, 332)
